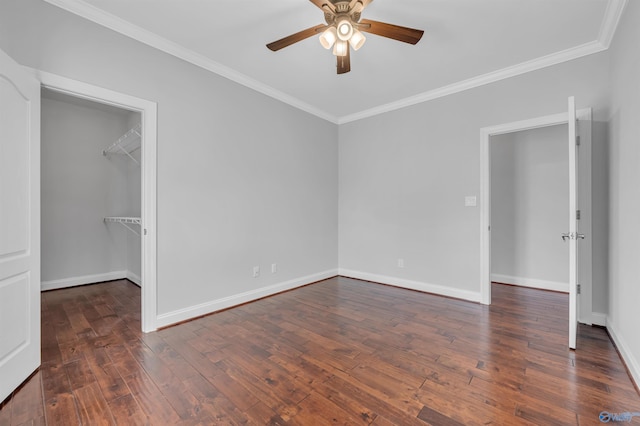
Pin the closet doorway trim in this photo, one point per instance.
(149, 118)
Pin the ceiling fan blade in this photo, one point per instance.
(294, 38)
(344, 62)
(396, 32)
(325, 5)
(365, 3)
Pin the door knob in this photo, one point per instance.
(566, 236)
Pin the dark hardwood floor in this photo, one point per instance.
(340, 351)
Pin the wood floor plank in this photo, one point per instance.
(214, 404)
(61, 409)
(269, 382)
(151, 400)
(92, 407)
(28, 403)
(126, 411)
(433, 417)
(262, 414)
(340, 351)
(318, 410)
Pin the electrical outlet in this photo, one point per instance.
(256, 271)
(470, 201)
(274, 268)
(400, 263)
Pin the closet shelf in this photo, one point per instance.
(125, 221)
(127, 143)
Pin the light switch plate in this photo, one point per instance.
(470, 201)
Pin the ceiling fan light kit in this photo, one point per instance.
(344, 26)
(328, 37)
(340, 48)
(344, 30)
(357, 40)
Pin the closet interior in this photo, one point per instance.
(91, 192)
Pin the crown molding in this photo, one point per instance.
(611, 20)
(123, 27)
(608, 28)
(481, 80)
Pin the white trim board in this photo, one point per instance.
(436, 289)
(134, 278)
(531, 282)
(598, 318)
(82, 280)
(481, 80)
(608, 28)
(633, 365)
(149, 115)
(191, 312)
(485, 190)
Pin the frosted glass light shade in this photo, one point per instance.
(340, 48)
(357, 40)
(344, 28)
(328, 37)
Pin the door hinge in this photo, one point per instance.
(145, 231)
(577, 214)
(579, 289)
(578, 140)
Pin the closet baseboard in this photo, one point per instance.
(134, 278)
(531, 282)
(83, 280)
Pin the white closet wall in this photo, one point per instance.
(80, 187)
(529, 205)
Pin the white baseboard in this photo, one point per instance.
(195, 311)
(627, 356)
(531, 282)
(82, 280)
(134, 278)
(598, 318)
(413, 285)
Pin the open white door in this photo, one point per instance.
(19, 225)
(572, 236)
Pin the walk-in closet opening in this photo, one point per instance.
(529, 204)
(90, 192)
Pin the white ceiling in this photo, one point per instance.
(466, 43)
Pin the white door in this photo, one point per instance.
(19, 225)
(572, 236)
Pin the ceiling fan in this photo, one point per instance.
(343, 30)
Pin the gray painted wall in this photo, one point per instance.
(624, 175)
(79, 188)
(243, 179)
(404, 175)
(529, 205)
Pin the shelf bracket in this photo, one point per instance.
(126, 222)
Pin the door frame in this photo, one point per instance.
(584, 199)
(149, 119)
